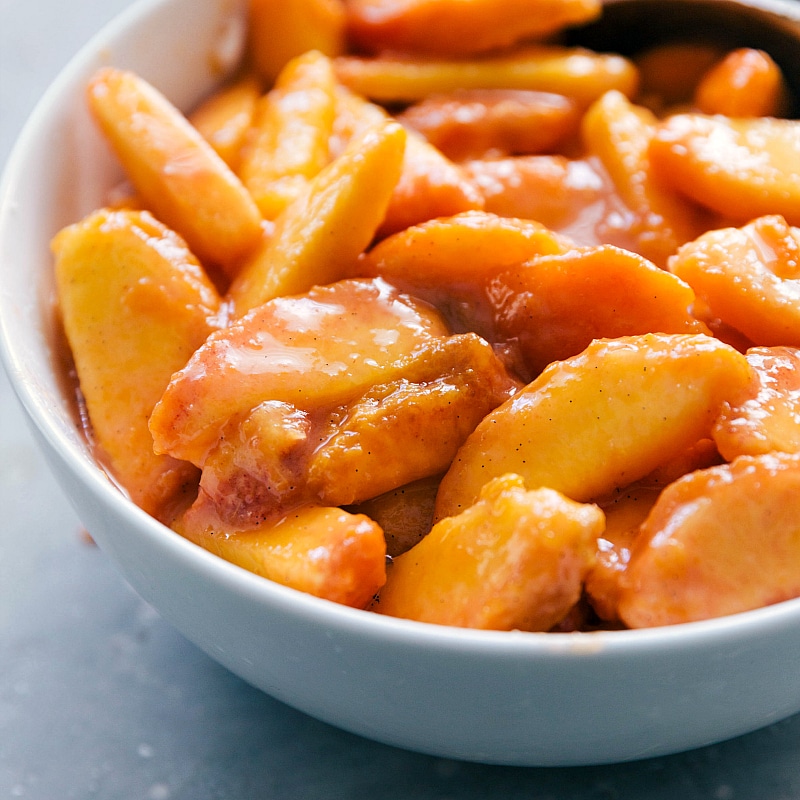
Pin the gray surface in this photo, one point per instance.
(99, 698)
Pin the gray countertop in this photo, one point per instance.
(99, 698)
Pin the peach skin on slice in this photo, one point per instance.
(322, 232)
(601, 419)
(177, 173)
(135, 305)
(718, 541)
(555, 305)
(516, 559)
(314, 350)
(326, 552)
(409, 426)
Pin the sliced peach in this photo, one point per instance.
(746, 83)
(326, 552)
(317, 350)
(405, 514)
(739, 168)
(749, 277)
(280, 30)
(224, 118)
(463, 248)
(555, 305)
(287, 143)
(768, 419)
(602, 419)
(717, 542)
(135, 305)
(570, 196)
(280, 455)
(577, 73)
(332, 221)
(455, 28)
(515, 560)
(658, 219)
(177, 173)
(493, 122)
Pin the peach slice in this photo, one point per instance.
(280, 30)
(135, 305)
(749, 277)
(515, 560)
(602, 419)
(177, 173)
(455, 28)
(314, 350)
(740, 168)
(717, 542)
(574, 72)
(322, 232)
(326, 552)
(768, 418)
(287, 144)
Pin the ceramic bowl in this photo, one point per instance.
(507, 698)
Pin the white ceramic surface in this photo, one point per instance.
(512, 698)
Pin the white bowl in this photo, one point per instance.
(510, 698)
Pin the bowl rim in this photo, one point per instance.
(356, 622)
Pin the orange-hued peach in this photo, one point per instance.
(314, 351)
(718, 541)
(516, 559)
(326, 552)
(330, 223)
(405, 427)
(455, 28)
(767, 419)
(224, 118)
(555, 305)
(458, 250)
(482, 123)
(656, 220)
(745, 83)
(574, 72)
(739, 168)
(280, 30)
(405, 514)
(601, 419)
(175, 171)
(287, 144)
(430, 184)
(135, 305)
(749, 278)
